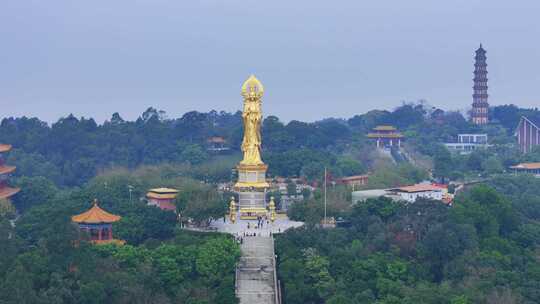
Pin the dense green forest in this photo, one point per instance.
(160, 263)
(484, 249)
(73, 150)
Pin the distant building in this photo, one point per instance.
(528, 135)
(5, 190)
(363, 195)
(281, 184)
(216, 144)
(162, 198)
(467, 143)
(354, 181)
(480, 106)
(98, 224)
(386, 137)
(411, 193)
(407, 193)
(530, 168)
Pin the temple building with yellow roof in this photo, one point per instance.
(386, 136)
(98, 224)
(162, 198)
(6, 192)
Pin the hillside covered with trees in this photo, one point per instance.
(73, 150)
(484, 249)
(43, 259)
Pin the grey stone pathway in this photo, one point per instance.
(256, 280)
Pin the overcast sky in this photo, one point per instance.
(316, 58)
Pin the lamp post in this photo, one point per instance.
(130, 189)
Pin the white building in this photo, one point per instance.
(408, 193)
(467, 143)
(411, 193)
(362, 196)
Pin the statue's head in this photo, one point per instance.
(252, 88)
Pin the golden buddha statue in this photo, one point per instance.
(252, 91)
(252, 184)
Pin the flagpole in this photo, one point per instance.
(325, 196)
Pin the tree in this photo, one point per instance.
(339, 299)
(493, 165)
(313, 171)
(507, 115)
(393, 176)
(7, 210)
(407, 115)
(444, 243)
(201, 204)
(194, 154)
(216, 258)
(116, 119)
(348, 167)
(475, 160)
(291, 188)
(34, 191)
(317, 271)
(487, 210)
(17, 287)
(443, 165)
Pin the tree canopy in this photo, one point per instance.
(482, 250)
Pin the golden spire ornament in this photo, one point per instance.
(272, 207)
(232, 210)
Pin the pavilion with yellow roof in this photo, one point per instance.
(98, 224)
(162, 198)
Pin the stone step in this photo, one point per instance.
(255, 271)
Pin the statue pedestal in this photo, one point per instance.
(251, 176)
(251, 188)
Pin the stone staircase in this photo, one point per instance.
(256, 280)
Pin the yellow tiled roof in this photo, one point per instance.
(95, 215)
(4, 148)
(161, 196)
(384, 128)
(385, 135)
(7, 192)
(111, 241)
(527, 166)
(163, 190)
(6, 169)
(162, 193)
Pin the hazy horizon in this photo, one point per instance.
(316, 59)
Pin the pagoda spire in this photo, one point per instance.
(480, 105)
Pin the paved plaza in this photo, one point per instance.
(249, 227)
